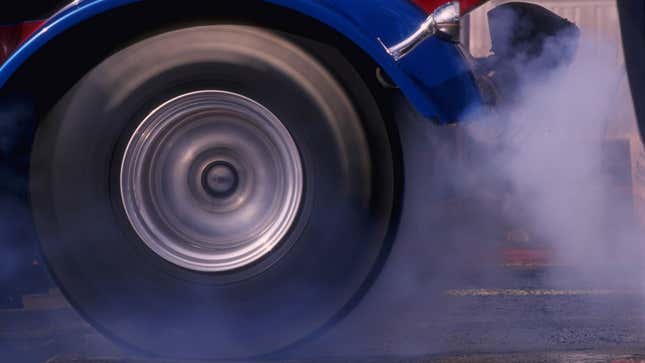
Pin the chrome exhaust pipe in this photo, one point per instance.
(444, 22)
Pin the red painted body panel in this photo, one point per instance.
(466, 5)
(11, 36)
(527, 256)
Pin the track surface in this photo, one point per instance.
(518, 322)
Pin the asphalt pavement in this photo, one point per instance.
(521, 320)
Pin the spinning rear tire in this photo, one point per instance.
(213, 192)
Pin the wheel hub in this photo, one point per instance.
(211, 181)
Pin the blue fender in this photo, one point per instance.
(434, 77)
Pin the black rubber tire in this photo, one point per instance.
(132, 295)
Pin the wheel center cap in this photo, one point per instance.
(220, 179)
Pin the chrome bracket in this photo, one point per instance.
(443, 20)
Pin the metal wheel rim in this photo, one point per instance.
(211, 181)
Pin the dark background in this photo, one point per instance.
(632, 22)
(18, 11)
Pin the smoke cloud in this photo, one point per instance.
(567, 183)
(14, 212)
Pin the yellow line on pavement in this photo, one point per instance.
(539, 292)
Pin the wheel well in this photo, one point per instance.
(60, 64)
(56, 67)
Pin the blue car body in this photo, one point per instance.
(435, 77)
